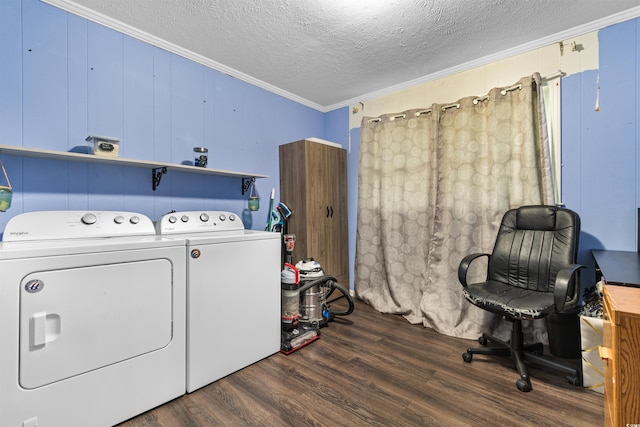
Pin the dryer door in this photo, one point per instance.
(75, 320)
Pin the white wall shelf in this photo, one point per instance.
(157, 168)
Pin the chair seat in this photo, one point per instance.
(510, 301)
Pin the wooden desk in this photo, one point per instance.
(620, 351)
(618, 267)
(621, 355)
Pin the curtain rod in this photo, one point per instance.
(475, 101)
(555, 75)
(480, 99)
(511, 89)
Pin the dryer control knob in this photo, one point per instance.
(232, 217)
(134, 219)
(119, 219)
(89, 219)
(184, 218)
(204, 217)
(222, 217)
(172, 219)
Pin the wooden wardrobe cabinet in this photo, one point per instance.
(313, 184)
(621, 355)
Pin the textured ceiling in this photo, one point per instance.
(329, 53)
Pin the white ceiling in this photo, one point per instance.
(332, 53)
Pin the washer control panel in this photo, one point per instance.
(198, 222)
(50, 225)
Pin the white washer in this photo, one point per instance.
(233, 293)
(92, 318)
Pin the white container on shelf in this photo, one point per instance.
(105, 146)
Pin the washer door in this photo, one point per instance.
(79, 319)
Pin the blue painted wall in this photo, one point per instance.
(63, 78)
(600, 175)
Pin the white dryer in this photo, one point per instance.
(233, 292)
(92, 318)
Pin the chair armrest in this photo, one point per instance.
(562, 287)
(465, 264)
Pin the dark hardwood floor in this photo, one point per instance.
(377, 369)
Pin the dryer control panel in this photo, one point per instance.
(199, 222)
(56, 225)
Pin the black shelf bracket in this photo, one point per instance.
(156, 176)
(246, 183)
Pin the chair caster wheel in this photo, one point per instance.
(467, 357)
(574, 380)
(523, 385)
(483, 341)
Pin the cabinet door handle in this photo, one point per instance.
(327, 211)
(331, 211)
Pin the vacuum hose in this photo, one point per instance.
(332, 283)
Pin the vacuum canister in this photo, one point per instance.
(312, 299)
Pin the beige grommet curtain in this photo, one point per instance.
(433, 186)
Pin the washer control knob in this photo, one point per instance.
(232, 217)
(134, 219)
(204, 217)
(222, 217)
(89, 219)
(119, 219)
(172, 219)
(184, 218)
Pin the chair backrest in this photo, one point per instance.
(533, 243)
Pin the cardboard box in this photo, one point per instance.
(592, 366)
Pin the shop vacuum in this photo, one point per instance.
(315, 290)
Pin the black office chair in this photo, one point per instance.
(531, 274)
